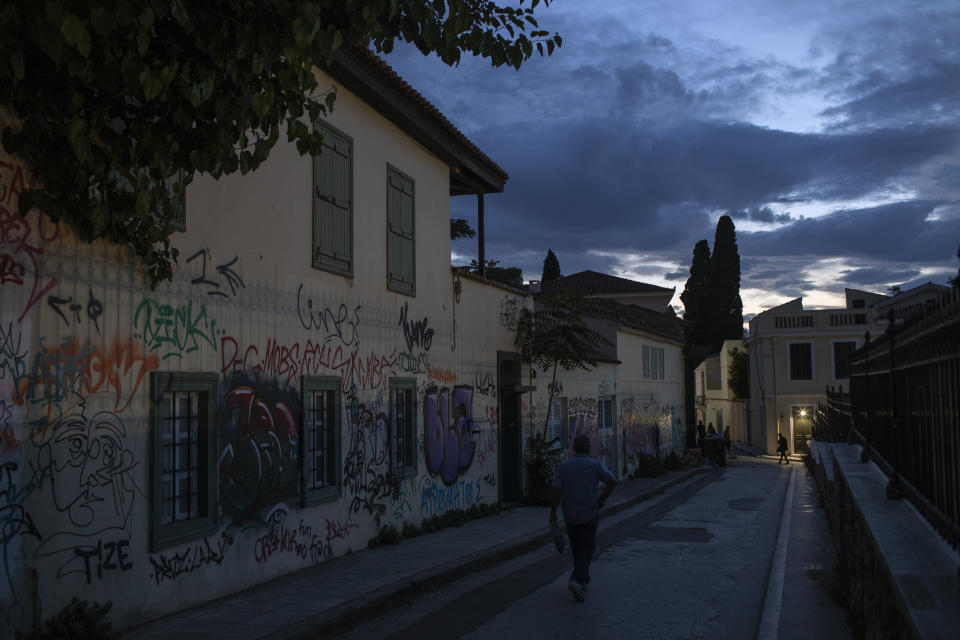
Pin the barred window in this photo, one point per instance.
(183, 502)
(321, 439)
(403, 428)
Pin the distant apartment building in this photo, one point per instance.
(796, 353)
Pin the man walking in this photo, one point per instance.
(575, 488)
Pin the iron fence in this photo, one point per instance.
(905, 405)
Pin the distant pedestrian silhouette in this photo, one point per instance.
(782, 448)
(575, 487)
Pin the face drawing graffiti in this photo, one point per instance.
(92, 471)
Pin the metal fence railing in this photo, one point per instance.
(904, 402)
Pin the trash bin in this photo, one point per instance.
(715, 450)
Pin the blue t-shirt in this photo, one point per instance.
(578, 478)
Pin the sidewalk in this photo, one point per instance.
(341, 593)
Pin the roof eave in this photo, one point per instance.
(469, 173)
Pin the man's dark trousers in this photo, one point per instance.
(583, 541)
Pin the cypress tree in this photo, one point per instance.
(551, 267)
(696, 294)
(726, 305)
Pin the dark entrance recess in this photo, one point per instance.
(511, 459)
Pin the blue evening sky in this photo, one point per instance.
(828, 129)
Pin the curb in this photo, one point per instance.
(349, 615)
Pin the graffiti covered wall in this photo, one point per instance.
(84, 427)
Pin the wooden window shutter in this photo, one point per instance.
(401, 257)
(333, 203)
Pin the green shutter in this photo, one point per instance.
(333, 203)
(401, 257)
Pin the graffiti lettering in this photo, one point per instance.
(436, 499)
(490, 479)
(170, 567)
(365, 466)
(416, 332)
(299, 542)
(508, 312)
(413, 364)
(335, 530)
(110, 556)
(18, 257)
(486, 386)
(369, 372)
(259, 465)
(232, 278)
(339, 325)
(448, 447)
(94, 309)
(177, 330)
(74, 369)
(443, 376)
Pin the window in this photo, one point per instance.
(333, 203)
(604, 414)
(401, 272)
(183, 416)
(322, 479)
(841, 359)
(652, 362)
(403, 428)
(558, 424)
(801, 361)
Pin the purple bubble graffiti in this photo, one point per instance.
(448, 445)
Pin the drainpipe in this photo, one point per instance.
(481, 253)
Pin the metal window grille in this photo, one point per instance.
(183, 459)
(403, 416)
(319, 424)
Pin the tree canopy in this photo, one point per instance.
(726, 306)
(738, 372)
(117, 106)
(551, 267)
(696, 293)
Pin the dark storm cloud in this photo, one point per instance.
(879, 275)
(635, 136)
(902, 231)
(619, 185)
(933, 97)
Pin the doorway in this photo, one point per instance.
(511, 444)
(801, 418)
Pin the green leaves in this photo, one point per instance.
(139, 90)
(75, 33)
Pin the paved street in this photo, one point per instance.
(695, 563)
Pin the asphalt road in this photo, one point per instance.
(695, 563)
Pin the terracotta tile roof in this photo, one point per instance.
(592, 282)
(629, 315)
(465, 272)
(375, 62)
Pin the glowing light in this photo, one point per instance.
(803, 413)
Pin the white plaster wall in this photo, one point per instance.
(246, 305)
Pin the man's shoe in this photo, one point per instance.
(577, 590)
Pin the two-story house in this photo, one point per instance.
(631, 403)
(314, 371)
(715, 401)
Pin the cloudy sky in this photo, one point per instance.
(828, 129)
